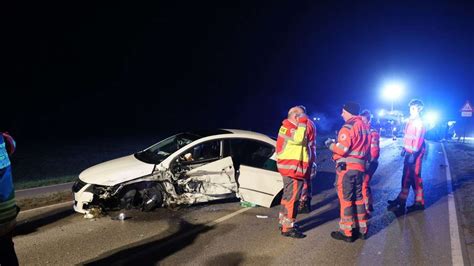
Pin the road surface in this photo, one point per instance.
(225, 233)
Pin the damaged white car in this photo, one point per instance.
(184, 169)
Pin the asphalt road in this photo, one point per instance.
(225, 233)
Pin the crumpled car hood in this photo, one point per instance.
(116, 171)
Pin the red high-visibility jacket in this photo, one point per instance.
(292, 149)
(374, 144)
(353, 144)
(311, 132)
(414, 135)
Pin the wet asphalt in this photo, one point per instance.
(197, 236)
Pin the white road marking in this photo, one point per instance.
(456, 251)
(227, 217)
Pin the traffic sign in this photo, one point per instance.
(466, 110)
(467, 107)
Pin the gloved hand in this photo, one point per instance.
(411, 158)
(328, 142)
(403, 152)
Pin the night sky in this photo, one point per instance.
(71, 69)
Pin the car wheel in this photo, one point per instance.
(152, 198)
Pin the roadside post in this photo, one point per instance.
(466, 113)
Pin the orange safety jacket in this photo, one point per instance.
(374, 145)
(292, 149)
(353, 144)
(414, 135)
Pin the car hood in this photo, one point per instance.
(116, 171)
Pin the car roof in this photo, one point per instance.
(249, 134)
(232, 133)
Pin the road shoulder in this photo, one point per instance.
(462, 172)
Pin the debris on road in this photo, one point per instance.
(247, 204)
(262, 216)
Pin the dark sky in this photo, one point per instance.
(87, 70)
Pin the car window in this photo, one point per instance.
(205, 151)
(251, 153)
(161, 150)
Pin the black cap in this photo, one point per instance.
(352, 107)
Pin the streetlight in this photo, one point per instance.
(392, 91)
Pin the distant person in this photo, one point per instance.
(350, 154)
(292, 162)
(373, 161)
(307, 193)
(8, 208)
(413, 151)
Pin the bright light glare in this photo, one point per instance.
(392, 90)
(431, 118)
(381, 113)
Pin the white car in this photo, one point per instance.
(184, 169)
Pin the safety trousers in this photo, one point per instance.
(352, 208)
(292, 188)
(366, 191)
(307, 191)
(412, 178)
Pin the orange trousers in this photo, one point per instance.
(366, 191)
(412, 177)
(292, 188)
(352, 208)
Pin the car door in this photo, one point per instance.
(209, 175)
(214, 179)
(258, 178)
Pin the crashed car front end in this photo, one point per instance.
(163, 188)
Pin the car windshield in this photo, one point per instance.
(161, 150)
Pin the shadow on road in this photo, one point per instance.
(32, 224)
(237, 258)
(149, 253)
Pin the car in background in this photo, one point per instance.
(184, 169)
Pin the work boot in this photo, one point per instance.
(304, 207)
(397, 209)
(340, 236)
(394, 202)
(396, 206)
(416, 207)
(294, 233)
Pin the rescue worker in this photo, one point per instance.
(292, 163)
(8, 208)
(350, 154)
(413, 151)
(307, 193)
(373, 162)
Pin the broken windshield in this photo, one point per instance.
(161, 150)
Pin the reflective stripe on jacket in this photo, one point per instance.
(353, 144)
(292, 149)
(414, 135)
(4, 160)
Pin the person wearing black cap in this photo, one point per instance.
(350, 153)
